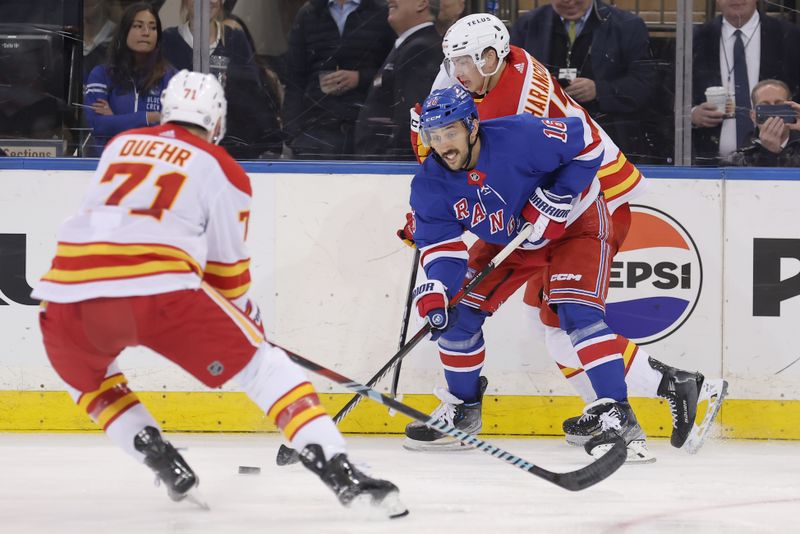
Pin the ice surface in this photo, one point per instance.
(71, 483)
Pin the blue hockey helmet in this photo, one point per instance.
(446, 106)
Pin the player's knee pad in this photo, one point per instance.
(582, 322)
(268, 373)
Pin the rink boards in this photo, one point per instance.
(709, 279)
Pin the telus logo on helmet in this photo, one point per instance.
(656, 278)
(478, 21)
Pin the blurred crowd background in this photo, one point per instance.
(334, 79)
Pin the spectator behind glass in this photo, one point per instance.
(100, 19)
(253, 124)
(335, 50)
(771, 49)
(601, 56)
(125, 93)
(449, 12)
(776, 143)
(403, 80)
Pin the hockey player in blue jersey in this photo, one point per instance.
(490, 179)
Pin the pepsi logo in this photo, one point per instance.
(656, 278)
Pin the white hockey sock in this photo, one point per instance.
(125, 427)
(117, 409)
(560, 348)
(281, 389)
(642, 379)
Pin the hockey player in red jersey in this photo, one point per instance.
(506, 80)
(156, 256)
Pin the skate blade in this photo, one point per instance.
(713, 394)
(390, 507)
(576, 441)
(637, 452)
(445, 444)
(193, 496)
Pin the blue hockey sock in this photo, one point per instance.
(464, 385)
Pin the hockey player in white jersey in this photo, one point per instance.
(156, 256)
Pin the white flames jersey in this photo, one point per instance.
(165, 211)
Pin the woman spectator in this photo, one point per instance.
(125, 93)
(253, 125)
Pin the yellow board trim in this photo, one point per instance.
(53, 411)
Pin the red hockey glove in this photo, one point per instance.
(406, 233)
(548, 213)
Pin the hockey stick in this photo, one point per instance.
(287, 455)
(577, 480)
(404, 328)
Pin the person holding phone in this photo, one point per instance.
(776, 142)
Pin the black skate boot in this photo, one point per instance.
(168, 465)
(452, 410)
(681, 390)
(353, 488)
(580, 428)
(617, 420)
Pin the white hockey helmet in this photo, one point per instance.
(473, 34)
(195, 98)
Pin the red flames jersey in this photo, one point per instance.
(525, 86)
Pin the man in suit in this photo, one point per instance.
(335, 49)
(601, 55)
(403, 80)
(767, 48)
(776, 143)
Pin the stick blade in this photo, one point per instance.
(589, 475)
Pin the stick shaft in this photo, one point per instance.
(423, 332)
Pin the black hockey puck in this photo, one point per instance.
(248, 470)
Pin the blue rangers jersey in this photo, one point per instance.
(518, 154)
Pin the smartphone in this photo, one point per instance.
(784, 111)
(81, 106)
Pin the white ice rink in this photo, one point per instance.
(79, 483)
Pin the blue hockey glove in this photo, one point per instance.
(430, 299)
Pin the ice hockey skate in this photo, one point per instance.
(578, 430)
(453, 411)
(616, 420)
(169, 466)
(353, 488)
(709, 402)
